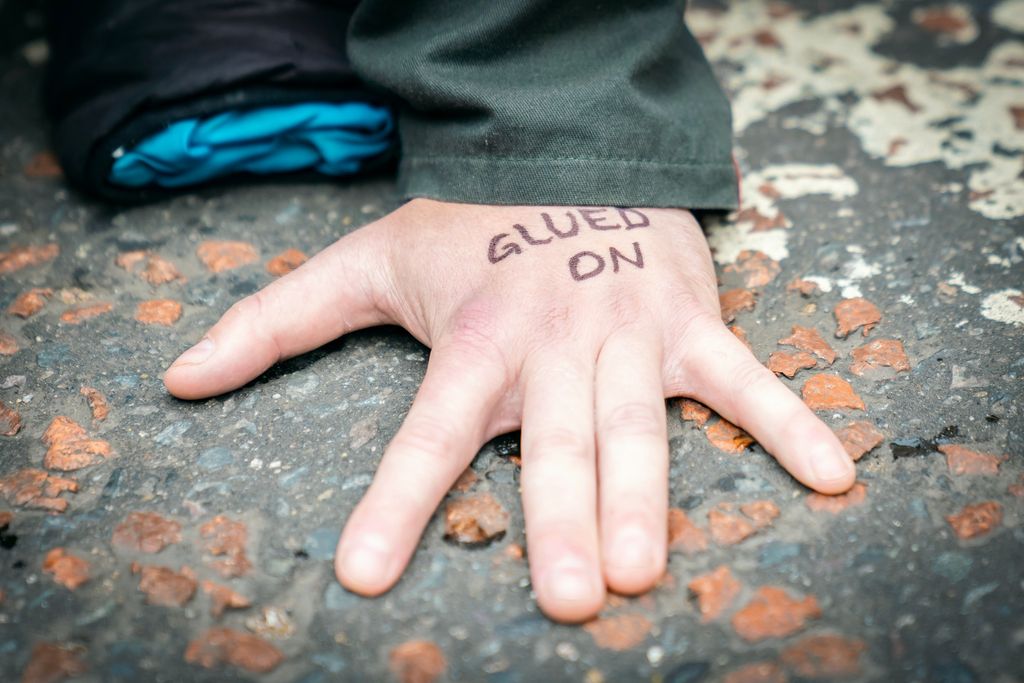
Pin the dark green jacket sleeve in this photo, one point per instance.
(549, 101)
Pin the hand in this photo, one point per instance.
(575, 332)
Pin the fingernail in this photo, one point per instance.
(366, 563)
(570, 584)
(197, 354)
(633, 549)
(828, 465)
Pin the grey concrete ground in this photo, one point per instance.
(883, 152)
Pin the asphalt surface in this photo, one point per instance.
(882, 158)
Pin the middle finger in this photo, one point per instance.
(633, 461)
(559, 486)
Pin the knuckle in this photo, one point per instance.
(425, 437)
(747, 378)
(687, 338)
(474, 330)
(253, 313)
(693, 321)
(625, 308)
(634, 419)
(366, 260)
(554, 536)
(559, 443)
(554, 322)
(248, 308)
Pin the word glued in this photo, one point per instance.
(505, 244)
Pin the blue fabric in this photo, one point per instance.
(332, 138)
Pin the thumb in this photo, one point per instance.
(334, 293)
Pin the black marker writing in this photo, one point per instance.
(587, 264)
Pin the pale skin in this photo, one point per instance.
(581, 366)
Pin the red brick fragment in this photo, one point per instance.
(725, 436)
(758, 268)
(898, 94)
(729, 529)
(830, 392)
(766, 38)
(146, 532)
(27, 257)
(70, 447)
(97, 403)
(683, 534)
(1018, 117)
(819, 502)
(788, 364)
(976, 520)
(759, 221)
(1017, 490)
(221, 255)
(962, 460)
(879, 352)
(223, 597)
(780, 10)
(895, 145)
(417, 661)
(773, 613)
(757, 672)
(158, 312)
(10, 420)
(34, 488)
(761, 512)
(807, 339)
(228, 538)
(157, 271)
(474, 519)
(68, 570)
(734, 301)
(50, 663)
(941, 19)
(43, 165)
(859, 438)
(514, 551)
(160, 271)
(8, 344)
(129, 259)
(715, 592)
(619, 632)
(74, 295)
(77, 314)
(285, 262)
(692, 411)
(806, 288)
(466, 481)
(165, 587)
(222, 645)
(826, 657)
(30, 302)
(853, 313)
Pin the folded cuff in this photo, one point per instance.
(570, 181)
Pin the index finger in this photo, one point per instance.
(727, 377)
